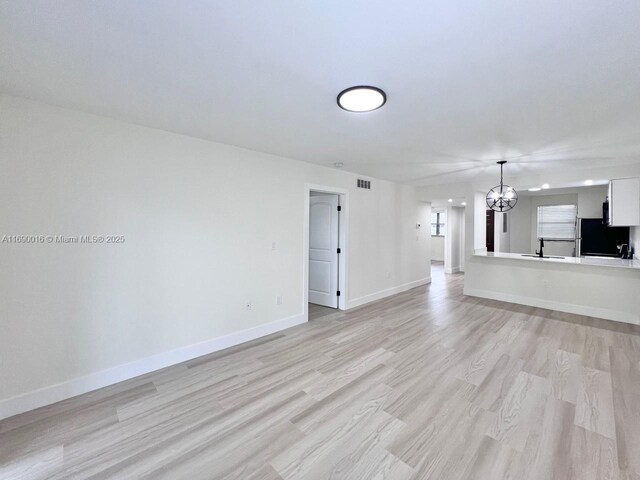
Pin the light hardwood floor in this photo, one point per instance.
(427, 384)
(317, 312)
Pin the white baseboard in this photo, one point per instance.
(356, 302)
(454, 270)
(604, 313)
(61, 391)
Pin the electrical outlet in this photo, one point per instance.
(279, 300)
(248, 306)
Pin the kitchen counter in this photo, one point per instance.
(599, 287)
(588, 261)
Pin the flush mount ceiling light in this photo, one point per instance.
(545, 186)
(362, 98)
(535, 189)
(588, 183)
(502, 198)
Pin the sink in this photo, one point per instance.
(537, 256)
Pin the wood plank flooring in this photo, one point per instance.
(427, 384)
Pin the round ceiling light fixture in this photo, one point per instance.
(362, 98)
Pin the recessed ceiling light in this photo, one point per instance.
(464, 204)
(450, 200)
(545, 186)
(361, 99)
(535, 189)
(588, 183)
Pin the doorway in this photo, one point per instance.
(325, 250)
(490, 240)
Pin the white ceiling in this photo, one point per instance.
(547, 84)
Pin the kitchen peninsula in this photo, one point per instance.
(606, 288)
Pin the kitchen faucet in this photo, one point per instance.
(540, 254)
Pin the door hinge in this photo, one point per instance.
(338, 293)
(339, 251)
(339, 208)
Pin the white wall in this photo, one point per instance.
(502, 239)
(454, 240)
(590, 200)
(520, 224)
(198, 218)
(479, 222)
(437, 248)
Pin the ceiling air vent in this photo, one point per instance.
(364, 184)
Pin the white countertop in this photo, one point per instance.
(590, 261)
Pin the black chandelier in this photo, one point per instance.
(502, 198)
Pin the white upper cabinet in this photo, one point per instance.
(624, 202)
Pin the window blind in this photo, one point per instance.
(557, 222)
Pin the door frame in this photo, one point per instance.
(343, 242)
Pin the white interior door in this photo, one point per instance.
(323, 250)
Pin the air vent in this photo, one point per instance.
(364, 184)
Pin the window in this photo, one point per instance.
(438, 223)
(557, 222)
